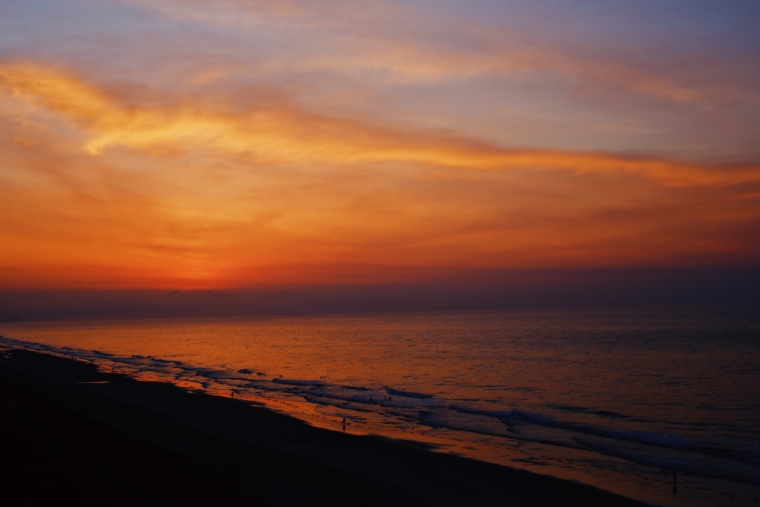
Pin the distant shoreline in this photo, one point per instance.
(105, 429)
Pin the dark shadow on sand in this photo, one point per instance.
(75, 435)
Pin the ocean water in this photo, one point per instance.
(616, 398)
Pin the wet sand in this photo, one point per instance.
(71, 433)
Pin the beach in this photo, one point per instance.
(379, 253)
(72, 431)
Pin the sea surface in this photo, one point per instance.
(616, 398)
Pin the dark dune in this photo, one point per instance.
(124, 442)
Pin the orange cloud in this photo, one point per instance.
(279, 132)
(104, 188)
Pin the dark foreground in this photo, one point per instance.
(117, 441)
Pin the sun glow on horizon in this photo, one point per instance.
(305, 151)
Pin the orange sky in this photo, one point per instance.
(174, 144)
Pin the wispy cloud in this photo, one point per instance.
(244, 143)
(277, 131)
(405, 43)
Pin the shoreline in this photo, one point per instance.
(236, 452)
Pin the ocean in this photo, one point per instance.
(616, 398)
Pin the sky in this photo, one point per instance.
(252, 144)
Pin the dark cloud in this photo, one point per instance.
(514, 289)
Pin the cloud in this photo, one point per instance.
(276, 131)
(412, 44)
(127, 186)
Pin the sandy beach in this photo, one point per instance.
(73, 432)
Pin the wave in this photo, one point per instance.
(515, 416)
(407, 394)
(684, 465)
(413, 408)
(299, 382)
(609, 414)
(356, 388)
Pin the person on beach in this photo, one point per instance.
(344, 425)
